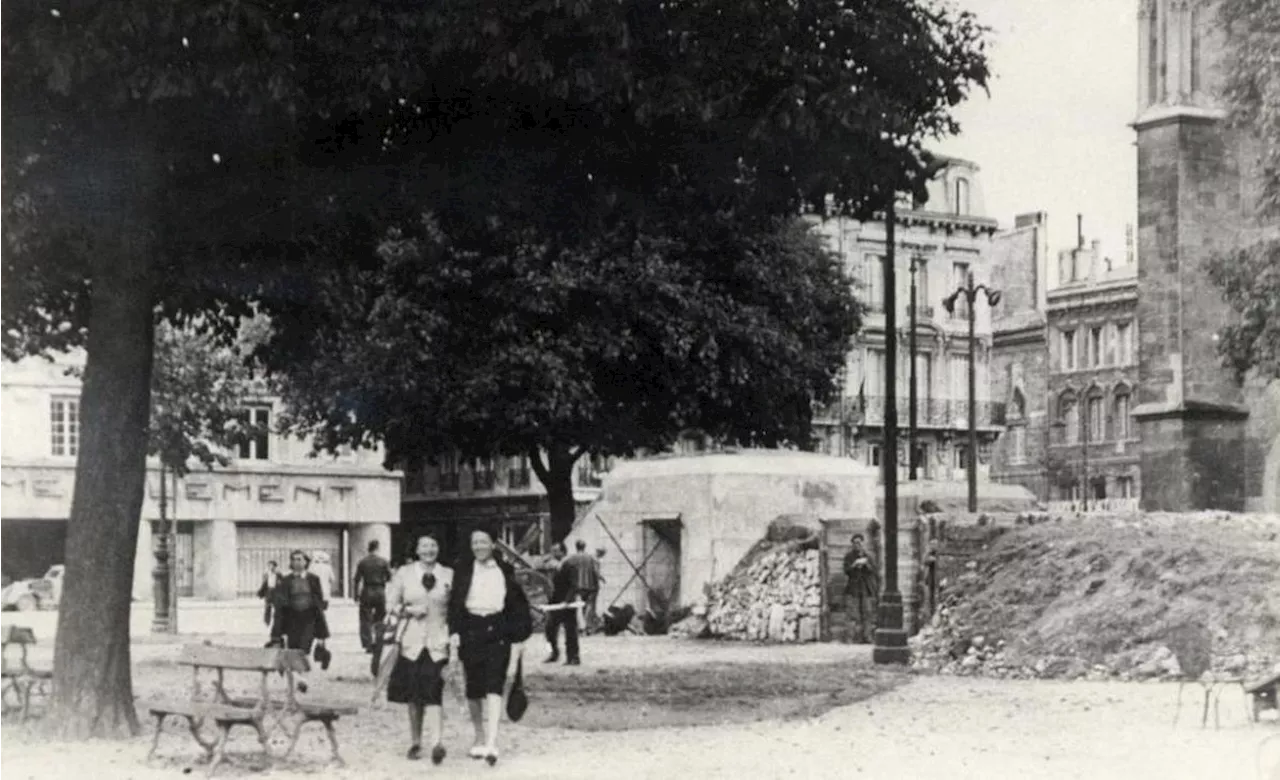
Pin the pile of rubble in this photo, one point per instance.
(1112, 598)
(774, 594)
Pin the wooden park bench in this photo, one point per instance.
(264, 713)
(21, 679)
(1263, 695)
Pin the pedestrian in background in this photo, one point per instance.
(267, 591)
(324, 572)
(489, 621)
(299, 609)
(419, 593)
(562, 591)
(370, 589)
(586, 581)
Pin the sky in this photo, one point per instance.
(1054, 133)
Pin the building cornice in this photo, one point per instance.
(1157, 115)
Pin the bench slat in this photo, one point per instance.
(307, 707)
(259, 659)
(1262, 685)
(198, 709)
(21, 635)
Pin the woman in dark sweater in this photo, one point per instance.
(299, 606)
(489, 620)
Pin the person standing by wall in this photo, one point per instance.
(489, 621)
(862, 588)
(419, 593)
(267, 591)
(370, 589)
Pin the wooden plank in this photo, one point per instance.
(197, 709)
(270, 659)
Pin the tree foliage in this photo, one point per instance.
(1249, 276)
(557, 355)
(202, 156)
(199, 387)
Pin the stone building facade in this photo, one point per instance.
(943, 241)
(272, 499)
(1206, 440)
(1020, 357)
(1092, 333)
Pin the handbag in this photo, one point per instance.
(517, 700)
(322, 655)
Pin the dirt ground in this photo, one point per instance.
(924, 727)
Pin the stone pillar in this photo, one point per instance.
(1192, 457)
(215, 558)
(360, 536)
(144, 563)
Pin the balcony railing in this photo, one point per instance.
(1095, 505)
(930, 412)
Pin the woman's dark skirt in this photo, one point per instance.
(420, 681)
(485, 653)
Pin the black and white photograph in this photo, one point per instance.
(640, 389)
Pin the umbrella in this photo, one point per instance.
(390, 655)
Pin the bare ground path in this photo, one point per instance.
(941, 727)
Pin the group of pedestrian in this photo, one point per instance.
(477, 611)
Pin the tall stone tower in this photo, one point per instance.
(1199, 448)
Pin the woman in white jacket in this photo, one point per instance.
(419, 594)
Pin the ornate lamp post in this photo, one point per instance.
(970, 293)
(161, 622)
(911, 390)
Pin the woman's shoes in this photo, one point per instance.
(491, 756)
(478, 751)
(437, 754)
(415, 752)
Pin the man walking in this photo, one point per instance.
(563, 580)
(586, 583)
(267, 591)
(372, 575)
(862, 588)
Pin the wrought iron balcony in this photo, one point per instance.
(930, 412)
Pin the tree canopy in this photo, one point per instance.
(557, 355)
(1249, 276)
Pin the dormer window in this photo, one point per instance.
(962, 197)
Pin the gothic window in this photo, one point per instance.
(1096, 417)
(1120, 413)
(1069, 417)
(1155, 56)
(1018, 406)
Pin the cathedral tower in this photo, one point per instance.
(1199, 449)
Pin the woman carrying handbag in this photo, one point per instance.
(419, 592)
(489, 620)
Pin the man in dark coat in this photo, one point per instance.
(862, 589)
(372, 575)
(563, 581)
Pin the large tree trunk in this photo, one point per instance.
(556, 475)
(92, 684)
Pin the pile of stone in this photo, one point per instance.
(774, 594)
(776, 598)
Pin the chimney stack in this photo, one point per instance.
(1079, 231)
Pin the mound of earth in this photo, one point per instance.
(1134, 598)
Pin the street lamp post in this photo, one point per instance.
(161, 621)
(970, 293)
(911, 390)
(890, 636)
